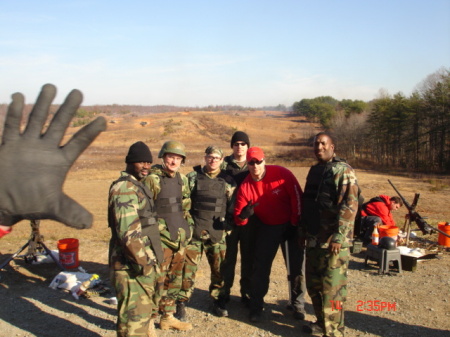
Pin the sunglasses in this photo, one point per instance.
(239, 144)
(255, 162)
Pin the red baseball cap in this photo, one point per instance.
(255, 153)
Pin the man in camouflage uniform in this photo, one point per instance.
(330, 204)
(135, 246)
(211, 194)
(240, 237)
(172, 202)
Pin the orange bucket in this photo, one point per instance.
(391, 231)
(68, 253)
(442, 239)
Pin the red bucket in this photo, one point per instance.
(68, 253)
(442, 239)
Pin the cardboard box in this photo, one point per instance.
(409, 263)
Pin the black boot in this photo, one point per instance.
(219, 308)
(181, 311)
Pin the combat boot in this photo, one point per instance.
(151, 328)
(181, 311)
(169, 322)
(219, 308)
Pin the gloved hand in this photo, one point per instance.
(248, 211)
(33, 165)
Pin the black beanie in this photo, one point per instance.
(139, 152)
(240, 136)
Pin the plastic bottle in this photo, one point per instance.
(85, 286)
(375, 236)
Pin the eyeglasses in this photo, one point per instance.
(239, 144)
(211, 158)
(255, 162)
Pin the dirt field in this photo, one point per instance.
(419, 303)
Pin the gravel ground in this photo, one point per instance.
(418, 304)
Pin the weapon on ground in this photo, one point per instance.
(413, 215)
(288, 267)
(35, 244)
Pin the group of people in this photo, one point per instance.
(162, 221)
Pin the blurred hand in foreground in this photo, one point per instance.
(34, 164)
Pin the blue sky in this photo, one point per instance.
(197, 53)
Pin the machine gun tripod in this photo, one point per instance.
(414, 216)
(35, 244)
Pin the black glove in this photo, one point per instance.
(248, 211)
(33, 165)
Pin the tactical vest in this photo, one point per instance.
(169, 205)
(234, 171)
(147, 217)
(209, 205)
(320, 196)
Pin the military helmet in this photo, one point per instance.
(173, 146)
(386, 242)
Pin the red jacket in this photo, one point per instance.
(278, 196)
(380, 209)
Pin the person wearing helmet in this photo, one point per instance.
(212, 209)
(172, 203)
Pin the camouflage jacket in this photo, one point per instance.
(129, 249)
(153, 182)
(230, 188)
(330, 204)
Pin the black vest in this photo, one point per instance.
(209, 205)
(169, 205)
(147, 217)
(320, 196)
(234, 171)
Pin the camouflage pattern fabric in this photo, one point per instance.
(215, 253)
(132, 261)
(169, 278)
(330, 208)
(329, 212)
(327, 286)
(135, 302)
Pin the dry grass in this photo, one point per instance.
(283, 139)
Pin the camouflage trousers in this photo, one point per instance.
(135, 302)
(326, 281)
(215, 253)
(169, 278)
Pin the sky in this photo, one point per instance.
(220, 52)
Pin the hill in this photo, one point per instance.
(30, 308)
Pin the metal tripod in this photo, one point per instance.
(35, 244)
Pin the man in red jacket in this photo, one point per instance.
(378, 210)
(272, 195)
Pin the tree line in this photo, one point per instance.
(392, 131)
